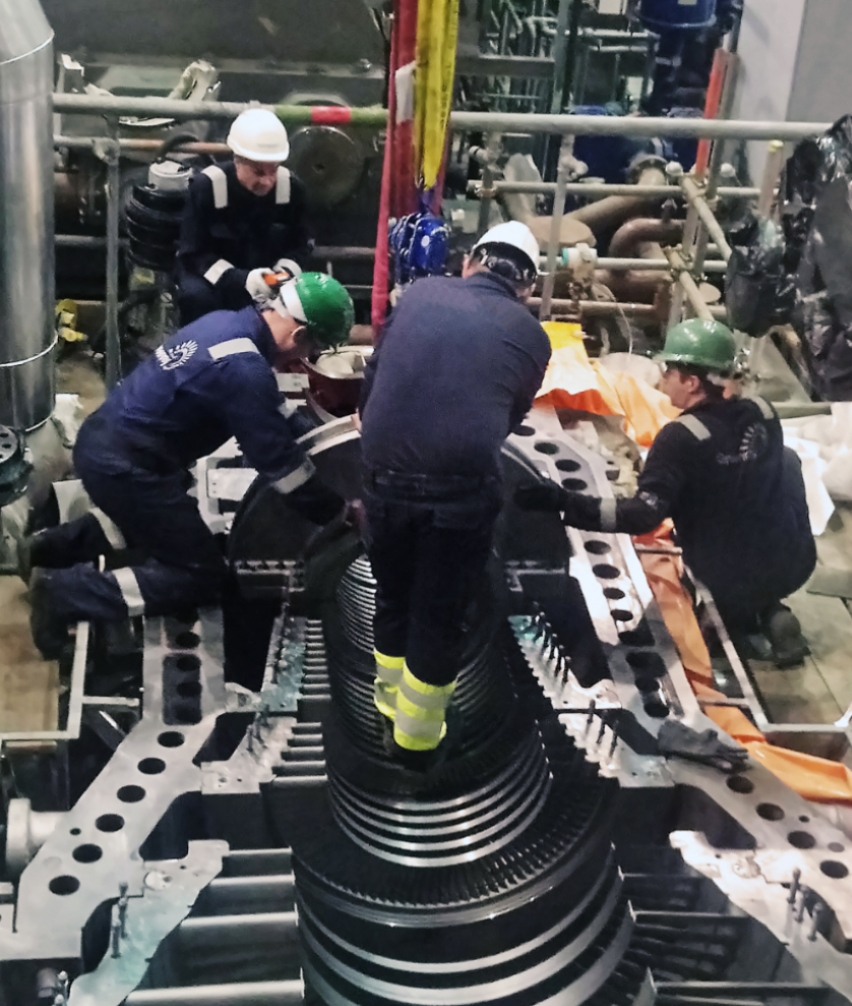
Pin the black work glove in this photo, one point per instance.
(675, 738)
(542, 495)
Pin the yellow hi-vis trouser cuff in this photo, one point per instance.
(420, 713)
(388, 677)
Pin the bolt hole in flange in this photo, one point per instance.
(545, 447)
(187, 640)
(88, 853)
(831, 868)
(740, 784)
(524, 431)
(171, 738)
(770, 812)
(622, 615)
(801, 839)
(613, 593)
(835, 847)
(575, 485)
(606, 572)
(151, 766)
(647, 662)
(131, 794)
(109, 822)
(567, 465)
(597, 546)
(64, 885)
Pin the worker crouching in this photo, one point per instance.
(211, 381)
(733, 490)
(458, 367)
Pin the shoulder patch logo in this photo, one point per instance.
(176, 356)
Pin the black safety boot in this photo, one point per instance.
(784, 633)
(25, 557)
(49, 629)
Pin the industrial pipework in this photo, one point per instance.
(27, 286)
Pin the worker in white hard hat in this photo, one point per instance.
(457, 368)
(244, 223)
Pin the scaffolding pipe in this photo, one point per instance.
(514, 122)
(690, 287)
(564, 166)
(602, 308)
(602, 189)
(705, 214)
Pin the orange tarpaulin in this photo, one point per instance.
(813, 778)
(573, 381)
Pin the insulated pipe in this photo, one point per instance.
(604, 213)
(27, 289)
(643, 237)
(513, 122)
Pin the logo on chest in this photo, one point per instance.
(176, 356)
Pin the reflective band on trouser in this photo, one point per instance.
(130, 592)
(217, 271)
(420, 713)
(388, 677)
(111, 530)
(298, 477)
(608, 512)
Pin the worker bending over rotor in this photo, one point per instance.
(211, 381)
(243, 221)
(734, 492)
(458, 367)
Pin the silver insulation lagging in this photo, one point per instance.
(27, 289)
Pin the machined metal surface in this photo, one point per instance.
(269, 850)
(26, 224)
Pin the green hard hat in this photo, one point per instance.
(323, 305)
(698, 343)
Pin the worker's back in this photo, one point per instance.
(458, 366)
(741, 513)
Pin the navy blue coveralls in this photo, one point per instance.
(737, 499)
(458, 367)
(209, 382)
(227, 231)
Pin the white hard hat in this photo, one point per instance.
(515, 234)
(259, 135)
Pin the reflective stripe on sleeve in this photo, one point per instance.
(232, 347)
(608, 511)
(130, 592)
(220, 185)
(111, 530)
(282, 187)
(765, 408)
(695, 426)
(298, 477)
(217, 271)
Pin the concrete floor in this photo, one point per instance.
(29, 686)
